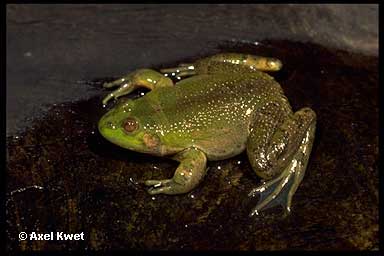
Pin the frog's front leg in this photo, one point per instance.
(279, 153)
(146, 78)
(188, 175)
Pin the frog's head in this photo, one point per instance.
(124, 126)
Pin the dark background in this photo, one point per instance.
(53, 49)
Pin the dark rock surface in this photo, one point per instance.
(53, 49)
(63, 176)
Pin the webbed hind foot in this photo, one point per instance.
(289, 149)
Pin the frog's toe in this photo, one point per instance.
(108, 85)
(153, 182)
(180, 68)
(169, 187)
(274, 192)
(180, 71)
(158, 186)
(160, 190)
(115, 83)
(107, 98)
(121, 91)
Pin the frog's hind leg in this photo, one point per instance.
(180, 71)
(280, 190)
(224, 62)
(253, 62)
(146, 78)
(281, 157)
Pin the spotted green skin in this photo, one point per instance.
(209, 112)
(220, 111)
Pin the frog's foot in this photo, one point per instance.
(187, 176)
(280, 190)
(146, 78)
(285, 146)
(182, 70)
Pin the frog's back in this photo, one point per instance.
(224, 90)
(213, 112)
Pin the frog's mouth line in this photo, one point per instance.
(160, 152)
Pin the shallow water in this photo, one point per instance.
(63, 176)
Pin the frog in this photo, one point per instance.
(209, 110)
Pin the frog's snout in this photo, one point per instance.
(110, 125)
(105, 123)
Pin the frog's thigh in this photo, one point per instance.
(146, 78)
(188, 175)
(281, 154)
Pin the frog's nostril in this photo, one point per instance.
(111, 125)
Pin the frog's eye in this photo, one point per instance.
(130, 124)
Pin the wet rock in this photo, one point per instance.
(63, 176)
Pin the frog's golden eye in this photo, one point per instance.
(130, 124)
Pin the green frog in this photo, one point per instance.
(220, 106)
